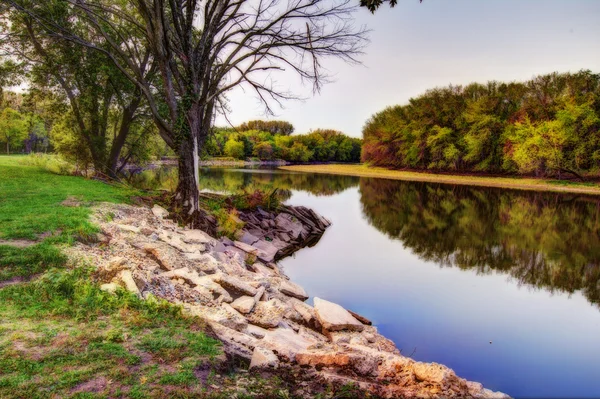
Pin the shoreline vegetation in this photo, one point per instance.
(512, 182)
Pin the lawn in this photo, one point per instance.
(519, 183)
(62, 337)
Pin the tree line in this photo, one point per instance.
(547, 126)
(264, 143)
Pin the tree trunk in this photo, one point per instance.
(119, 142)
(187, 195)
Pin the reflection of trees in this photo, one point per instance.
(545, 240)
(232, 181)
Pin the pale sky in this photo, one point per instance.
(415, 47)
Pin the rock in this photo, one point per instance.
(224, 315)
(159, 211)
(261, 269)
(246, 248)
(333, 317)
(267, 314)
(165, 258)
(260, 291)
(290, 224)
(127, 278)
(248, 238)
(109, 287)
(128, 228)
(243, 304)
(176, 242)
(266, 250)
(305, 310)
(294, 290)
(360, 318)
(256, 331)
(196, 237)
(234, 284)
(234, 341)
(322, 358)
(286, 343)
(433, 373)
(263, 358)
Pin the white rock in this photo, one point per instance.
(110, 287)
(243, 304)
(159, 211)
(127, 278)
(286, 342)
(333, 317)
(294, 290)
(234, 283)
(128, 228)
(263, 358)
(197, 237)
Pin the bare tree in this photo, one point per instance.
(204, 48)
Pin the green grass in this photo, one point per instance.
(515, 182)
(63, 337)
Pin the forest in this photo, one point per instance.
(547, 127)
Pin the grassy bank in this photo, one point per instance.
(63, 337)
(520, 183)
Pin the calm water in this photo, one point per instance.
(444, 270)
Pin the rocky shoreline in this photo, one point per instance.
(236, 287)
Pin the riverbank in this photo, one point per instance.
(92, 305)
(518, 183)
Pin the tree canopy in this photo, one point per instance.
(547, 126)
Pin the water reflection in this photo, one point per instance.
(233, 180)
(545, 240)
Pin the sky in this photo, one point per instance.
(417, 46)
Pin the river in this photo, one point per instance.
(502, 286)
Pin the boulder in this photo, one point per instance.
(243, 304)
(127, 278)
(256, 331)
(224, 315)
(294, 290)
(266, 250)
(333, 317)
(286, 343)
(263, 358)
(196, 237)
(159, 211)
(246, 248)
(248, 238)
(267, 314)
(234, 341)
(322, 358)
(109, 287)
(128, 228)
(234, 283)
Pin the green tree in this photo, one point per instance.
(13, 128)
(234, 149)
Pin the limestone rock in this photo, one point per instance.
(234, 341)
(266, 250)
(109, 287)
(224, 315)
(286, 343)
(333, 317)
(322, 358)
(263, 358)
(159, 211)
(267, 314)
(246, 248)
(127, 278)
(243, 304)
(256, 331)
(196, 237)
(294, 290)
(128, 228)
(234, 283)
